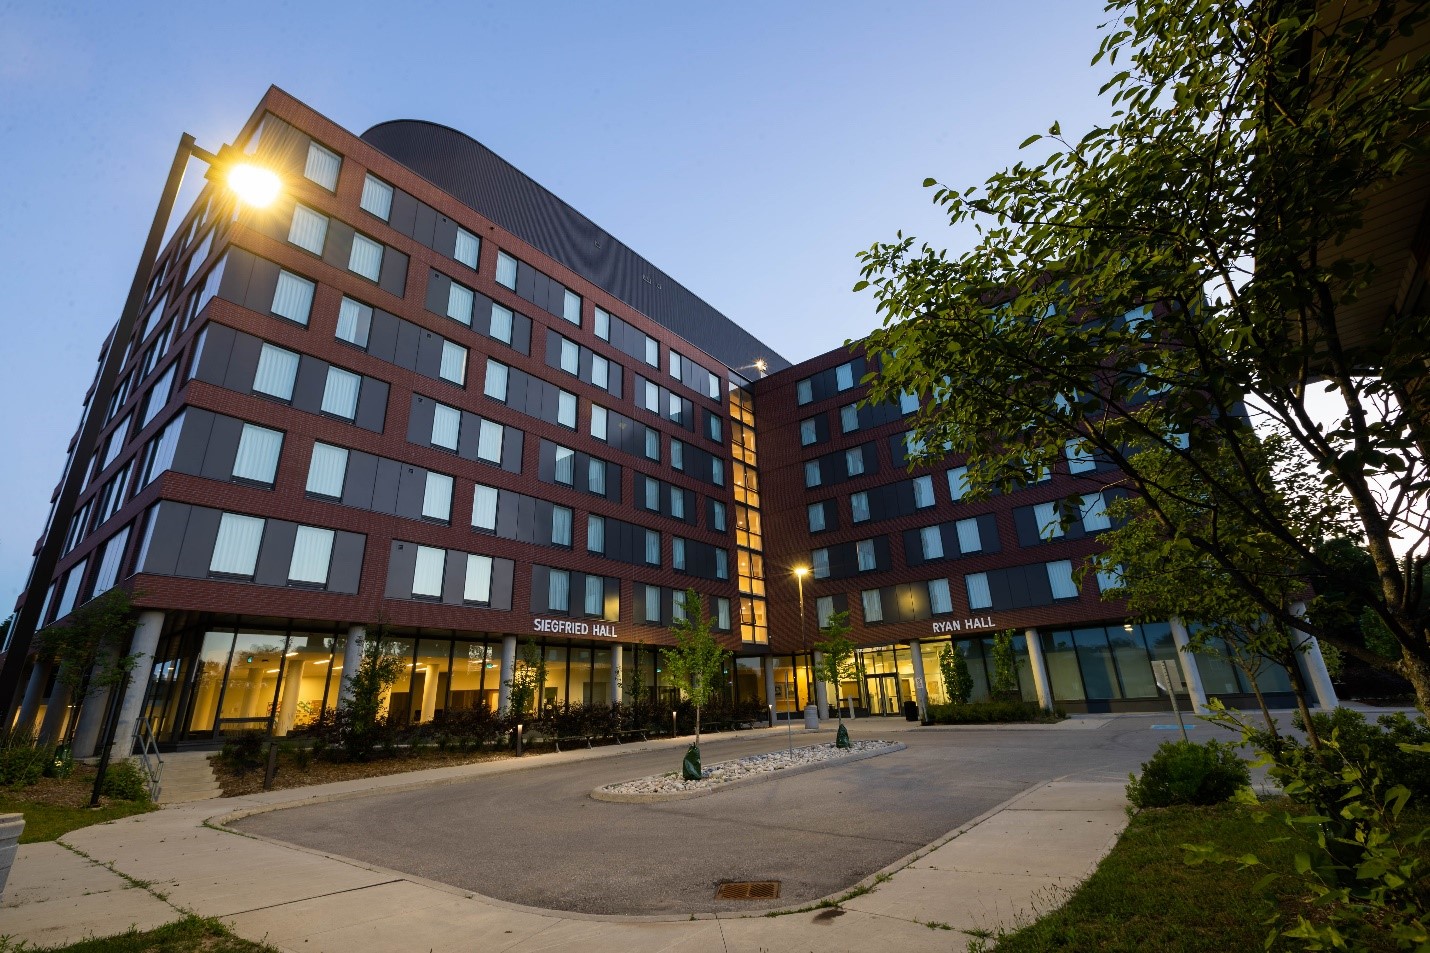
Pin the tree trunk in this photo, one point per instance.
(1417, 671)
(1298, 686)
(697, 726)
(1261, 703)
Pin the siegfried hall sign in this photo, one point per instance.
(572, 627)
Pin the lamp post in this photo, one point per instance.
(811, 711)
(253, 185)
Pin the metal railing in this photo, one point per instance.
(149, 755)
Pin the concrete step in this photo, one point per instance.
(187, 776)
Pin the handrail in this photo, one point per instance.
(148, 743)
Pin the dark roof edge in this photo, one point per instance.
(469, 171)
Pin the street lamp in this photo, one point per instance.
(799, 573)
(253, 185)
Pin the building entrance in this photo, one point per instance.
(885, 697)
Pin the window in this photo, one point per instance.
(478, 587)
(652, 495)
(816, 517)
(365, 258)
(484, 508)
(913, 446)
(717, 516)
(673, 361)
(808, 431)
(812, 476)
(566, 409)
(803, 392)
(864, 549)
(849, 418)
(236, 546)
(859, 507)
(489, 441)
(722, 613)
(873, 605)
(258, 449)
(564, 471)
(1094, 513)
(722, 564)
(460, 303)
(1109, 579)
(501, 325)
(506, 270)
(158, 396)
(571, 307)
(652, 352)
(446, 426)
(854, 460)
(570, 359)
(823, 610)
(844, 376)
(354, 322)
(923, 492)
(113, 445)
(713, 430)
(308, 230)
(293, 297)
(1060, 578)
(677, 454)
(677, 503)
(596, 476)
(652, 548)
(969, 539)
(340, 393)
(595, 534)
(561, 526)
(468, 248)
(677, 553)
(327, 470)
(930, 542)
(1049, 521)
(652, 444)
(650, 397)
(322, 166)
(437, 497)
(908, 403)
(427, 575)
(600, 371)
(108, 572)
(595, 603)
(312, 552)
(717, 472)
(495, 386)
(940, 599)
(978, 595)
(277, 369)
(958, 483)
(376, 197)
(598, 421)
(72, 582)
(454, 363)
(819, 563)
(652, 603)
(603, 324)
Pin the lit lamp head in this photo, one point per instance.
(253, 184)
(801, 571)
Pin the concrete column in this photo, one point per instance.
(1313, 663)
(618, 675)
(508, 669)
(56, 707)
(767, 665)
(1042, 684)
(131, 707)
(821, 690)
(1188, 659)
(91, 723)
(921, 687)
(352, 658)
(288, 701)
(34, 692)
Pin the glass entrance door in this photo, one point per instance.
(884, 697)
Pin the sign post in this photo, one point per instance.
(1169, 679)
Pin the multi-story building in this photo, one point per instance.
(422, 392)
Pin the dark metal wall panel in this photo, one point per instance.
(167, 538)
(401, 565)
(503, 573)
(345, 568)
(222, 448)
(393, 276)
(372, 405)
(197, 549)
(310, 383)
(275, 555)
(193, 441)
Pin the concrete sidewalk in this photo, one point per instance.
(997, 871)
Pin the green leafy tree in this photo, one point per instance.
(1005, 667)
(89, 647)
(836, 663)
(697, 662)
(528, 681)
(378, 669)
(957, 680)
(1183, 270)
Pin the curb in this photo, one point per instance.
(600, 794)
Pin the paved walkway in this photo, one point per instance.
(997, 870)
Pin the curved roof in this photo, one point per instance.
(497, 190)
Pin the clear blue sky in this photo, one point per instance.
(748, 149)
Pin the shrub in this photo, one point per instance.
(243, 753)
(1184, 772)
(124, 781)
(22, 762)
(991, 712)
(1378, 744)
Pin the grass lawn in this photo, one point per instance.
(53, 807)
(182, 936)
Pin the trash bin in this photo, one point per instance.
(911, 711)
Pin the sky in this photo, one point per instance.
(750, 150)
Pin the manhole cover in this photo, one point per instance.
(749, 890)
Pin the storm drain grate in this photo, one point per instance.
(749, 890)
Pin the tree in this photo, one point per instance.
(1181, 271)
(528, 681)
(836, 663)
(1005, 667)
(89, 646)
(697, 662)
(378, 669)
(957, 680)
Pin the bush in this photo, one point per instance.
(243, 753)
(1184, 772)
(22, 762)
(1379, 744)
(992, 712)
(125, 781)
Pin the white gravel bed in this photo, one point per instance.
(670, 786)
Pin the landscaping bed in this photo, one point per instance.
(55, 806)
(993, 713)
(296, 771)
